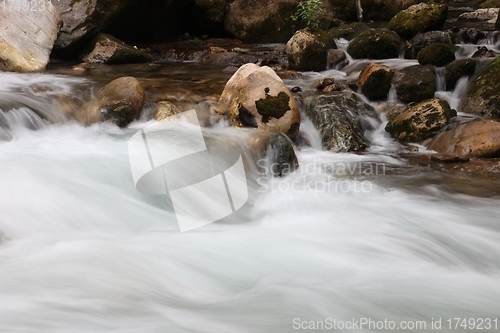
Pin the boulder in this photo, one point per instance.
(375, 44)
(376, 10)
(437, 54)
(488, 15)
(419, 18)
(420, 121)
(481, 97)
(340, 119)
(347, 31)
(375, 81)
(27, 37)
(120, 101)
(166, 109)
(471, 35)
(421, 40)
(105, 49)
(457, 69)
(257, 97)
(261, 20)
(484, 52)
(336, 58)
(307, 51)
(478, 138)
(415, 83)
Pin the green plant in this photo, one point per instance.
(309, 12)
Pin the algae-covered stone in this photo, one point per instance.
(419, 18)
(415, 83)
(307, 51)
(347, 31)
(375, 44)
(339, 119)
(420, 121)
(482, 97)
(375, 81)
(437, 54)
(106, 49)
(421, 40)
(457, 69)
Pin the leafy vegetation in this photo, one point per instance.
(308, 12)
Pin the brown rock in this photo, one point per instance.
(375, 81)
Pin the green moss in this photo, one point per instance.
(348, 31)
(484, 88)
(408, 23)
(416, 84)
(437, 54)
(273, 106)
(375, 44)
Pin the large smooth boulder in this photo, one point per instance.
(457, 69)
(488, 15)
(120, 101)
(421, 40)
(257, 97)
(376, 10)
(415, 83)
(27, 38)
(375, 81)
(482, 97)
(419, 18)
(478, 138)
(437, 54)
(340, 119)
(105, 49)
(307, 51)
(375, 44)
(420, 121)
(261, 20)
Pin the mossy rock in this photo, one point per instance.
(437, 54)
(419, 18)
(347, 31)
(457, 69)
(488, 4)
(307, 50)
(421, 40)
(420, 121)
(415, 83)
(482, 97)
(375, 81)
(375, 44)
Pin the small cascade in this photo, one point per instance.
(440, 79)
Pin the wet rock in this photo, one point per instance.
(105, 49)
(120, 101)
(347, 31)
(394, 110)
(449, 158)
(481, 97)
(375, 44)
(375, 81)
(419, 18)
(421, 40)
(307, 51)
(457, 69)
(489, 15)
(484, 52)
(279, 152)
(166, 109)
(420, 121)
(324, 82)
(471, 35)
(415, 83)
(340, 118)
(257, 97)
(27, 38)
(478, 138)
(261, 20)
(336, 58)
(437, 54)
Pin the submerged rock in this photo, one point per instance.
(257, 97)
(27, 38)
(105, 49)
(457, 69)
(307, 51)
(415, 83)
(375, 81)
(339, 117)
(478, 138)
(420, 121)
(375, 44)
(120, 101)
(437, 54)
(482, 97)
(421, 40)
(419, 18)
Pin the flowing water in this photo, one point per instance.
(390, 237)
